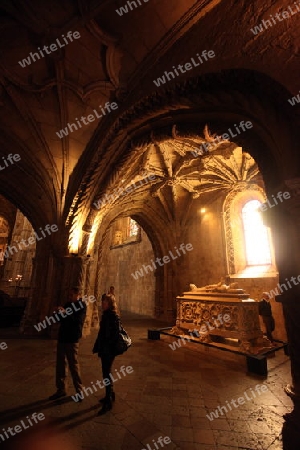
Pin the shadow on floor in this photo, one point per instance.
(18, 413)
(291, 429)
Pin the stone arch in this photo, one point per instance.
(232, 222)
(217, 99)
(164, 292)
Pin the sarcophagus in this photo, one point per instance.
(218, 313)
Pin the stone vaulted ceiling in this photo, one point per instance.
(178, 177)
(40, 99)
(116, 59)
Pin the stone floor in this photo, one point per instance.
(168, 394)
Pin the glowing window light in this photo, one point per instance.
(133, 228)
(256, 235)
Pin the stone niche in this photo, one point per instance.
(221, 315)
(118, 238)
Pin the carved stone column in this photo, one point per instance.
(74, 274)
(40, 292)
(90, 290)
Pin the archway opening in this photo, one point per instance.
(17, 251)
(125, 263)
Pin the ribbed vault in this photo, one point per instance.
(178, 177)
(209, 100)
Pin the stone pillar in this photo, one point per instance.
(284, 220)
(40, 295)
(73, 274)
(90, 287)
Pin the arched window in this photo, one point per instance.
(256, 236)
(133, 228)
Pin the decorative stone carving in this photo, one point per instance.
(118, 238)
(220, 311)
(232, 288)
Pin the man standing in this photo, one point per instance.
(265, 310)
(70, 331)
(111, 291)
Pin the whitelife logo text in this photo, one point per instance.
(125, 10)
(294, 100)
(166, 260)
(280, 16)
(51, 320)
(119, 192)
(205, 328)
(241, 401)
(205, 147)
(9, 160)
(31, 240)
(184, 68)
(101, 384)
(90, 118)
(3, 346)
(18, 428)
(274, 292)
(53, 47)
(268, 203)
(162, 441)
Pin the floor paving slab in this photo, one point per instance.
(169, 393)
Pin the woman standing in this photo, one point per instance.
(105, 345)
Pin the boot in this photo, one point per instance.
(113, 397)
(57, 395)
(107, 405)
(107, 401)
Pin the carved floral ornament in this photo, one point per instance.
(178, 174)
(174, 165)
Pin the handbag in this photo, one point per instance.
(123, 343)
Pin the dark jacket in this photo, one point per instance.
(108, 334)
(264, 308)
(70, 330)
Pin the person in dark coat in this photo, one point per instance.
(265, 311)
(105, 346)
(70, 331)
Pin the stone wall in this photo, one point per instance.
(206, 263)
(116, 266)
